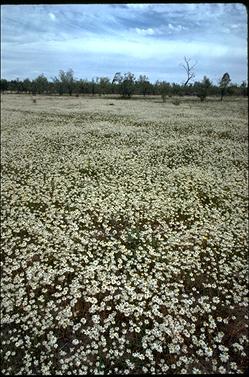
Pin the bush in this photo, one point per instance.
(202, 96)
(163, 97)
(176, 102)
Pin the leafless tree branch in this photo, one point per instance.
(189, 69)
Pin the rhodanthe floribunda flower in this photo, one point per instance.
(124, 238)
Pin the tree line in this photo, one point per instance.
(125, 85)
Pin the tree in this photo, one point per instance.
(41, 84)
(77, 88)
(12, 85)
(224, 82)
(4, 85)
(143, 84)
(202, 88)
(244, 89)
(34, 87)
(65, 82)
(18, 85)
(126, 83)
(176, 89)
(84, 86)
(27, 85)
(93, 86)
(103, 85)
(164, 89)
(116, 82)
(58, 86)
(189, 70)
(117, 77)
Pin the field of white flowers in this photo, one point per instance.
(124, 236)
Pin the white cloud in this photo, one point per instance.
(52, 16)
(139, 47)
(235, 26)
(148, 31)
(138, 6)
(177, 27)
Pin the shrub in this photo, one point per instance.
(202, 96)
(163, 97)
(176, 102)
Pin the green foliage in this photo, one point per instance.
(27, 85)
(68, 80)
(244, 88)
(103, 85)
(40, 84)
(126, 83)
(65, 82)
(4, 85)
(164, 88)
(224, 82)
(143, 85)
(58, 86)
(202, 88)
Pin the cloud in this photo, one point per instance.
(148, 31)
(104, 37)
(52, 16)
(138, 6)
(177, 27)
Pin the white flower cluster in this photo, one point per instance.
(124, 241)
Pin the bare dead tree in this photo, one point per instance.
(189, 69)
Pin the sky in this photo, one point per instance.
(98, 40)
